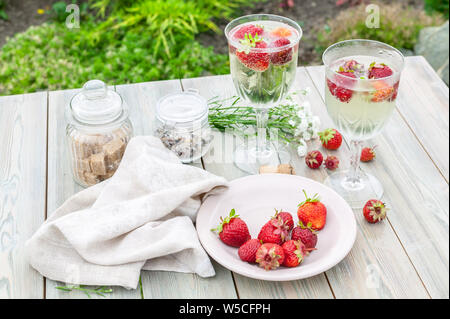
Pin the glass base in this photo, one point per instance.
(249, 160)
(355, 193)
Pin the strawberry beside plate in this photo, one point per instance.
(254, 198)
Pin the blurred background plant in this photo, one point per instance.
(130, 41)
(3, 14)
(440, 6)
(399, 26)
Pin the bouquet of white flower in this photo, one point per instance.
(293, 122)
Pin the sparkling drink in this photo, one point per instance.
(361, 87)
(263, 60)
(360, 94)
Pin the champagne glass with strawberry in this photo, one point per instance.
(361, 86)
(263, 60)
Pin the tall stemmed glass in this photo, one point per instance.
(362, 80)
(263, 60)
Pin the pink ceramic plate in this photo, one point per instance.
(255, 198)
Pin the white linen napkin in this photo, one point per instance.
(141, 218)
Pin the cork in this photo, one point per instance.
(280, 169)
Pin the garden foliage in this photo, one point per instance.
(399, 26)
(120, 41)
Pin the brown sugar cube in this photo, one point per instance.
(106, 176)
(90, 178)
(98, 165)
(268, 169)
(114, 150)
(83, 165)
(286, 169)
(80, 149)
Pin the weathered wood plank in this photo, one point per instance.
(316, 287)
(61, 184)
(417, 195)
(23, 149)
(425, 107)
(142, 100)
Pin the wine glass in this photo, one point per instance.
(362, 80)
(263, 52)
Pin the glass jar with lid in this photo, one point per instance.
(98, 131)
(181, 122)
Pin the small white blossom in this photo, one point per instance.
(292, 122)
(315, 122)
(302, 126)
(307, 135)
(302, 149)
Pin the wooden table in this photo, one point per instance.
(406, 256)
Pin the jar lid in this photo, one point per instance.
(182, 109)
(96, 104)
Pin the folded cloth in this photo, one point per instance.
(141, 218)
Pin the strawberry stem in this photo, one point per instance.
(314, 199)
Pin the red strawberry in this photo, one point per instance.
(374, 211)
(367, 154)
(270, 256)
(305, 234)
(382, 91)
(258, 61)
(247, 252)
(281, 32)
(312, 211)
(232, 230)
(340, 88)
(314, 159)
(285, 220)
(331, 138)
(248, 29)
(352, 66)
(331, 162)
(271, 232)
(378, 71)
(394, 95)
(294, 253)
(282, 56)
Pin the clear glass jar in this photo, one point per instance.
(181, 122)
(98, 131)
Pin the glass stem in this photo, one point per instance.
(261, 122)
(353, 176)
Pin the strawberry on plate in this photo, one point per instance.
(282, 56)
(374, 211)
(294, 253)
(255, 60)
(232, 230)
(331, 138)
(284, 219)
(270, 256)
(272, 232)
(305, 234)
(247, 252)
(312, 211)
